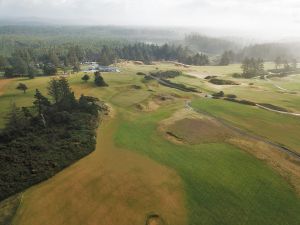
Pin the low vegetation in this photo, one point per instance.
(222, 82)
(274, 107)
(166, 74)
(178, 86)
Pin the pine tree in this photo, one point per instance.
(54, 89)
(99, 81)
(40, 102)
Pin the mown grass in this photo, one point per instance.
(223, 184)
(279, 128)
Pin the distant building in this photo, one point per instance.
(108, 69)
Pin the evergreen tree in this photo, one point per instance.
(3, 63)
(54, 90)
(99, 81)
(49, 70)
(40, 102)
(252, 67)
(53, 59)
(278, 62)
(226, 58)
(64, 86)
(76, 68)
(294, 63)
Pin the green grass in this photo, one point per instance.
(283, 129)
(223, 184)
(128, 98)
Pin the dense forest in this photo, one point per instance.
(40, 140)
(43, 50)
(209, 45)
(37, 60)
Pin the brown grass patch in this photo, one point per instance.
(147, 107)
(186, 126)
(111, 186)
(3, 84)
(196, 131)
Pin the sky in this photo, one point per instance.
(280, 18)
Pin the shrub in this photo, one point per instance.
(85, 77)
(209, 77)
(245, 102)
(222, 82)
(231, 96)
(218, 95)
(237, 75)
(166, 74)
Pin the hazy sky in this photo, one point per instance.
(270, 17)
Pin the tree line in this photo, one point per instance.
(34, 61)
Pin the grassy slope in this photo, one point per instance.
(279, 128)
(223, 184)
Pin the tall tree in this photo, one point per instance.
(54, 89)
(64, 86)
(294, 63)
(278, 62)
(3, 63)
(226, 58)
(99, 81)
(49, 69)
(252, 67)
(40, 102)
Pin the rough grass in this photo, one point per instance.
(129, 98)
(283, 129)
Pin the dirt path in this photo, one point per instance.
(275, 85)
(111, 186)
(277, 111)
